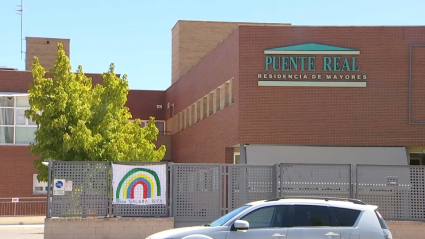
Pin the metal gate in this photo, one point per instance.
(204, 192)
(89, 196)
(399, 191)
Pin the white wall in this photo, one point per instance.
(272, 154)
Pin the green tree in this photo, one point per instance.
(79, 122)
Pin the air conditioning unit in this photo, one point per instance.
(159, 106)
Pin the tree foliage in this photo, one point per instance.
(79, 122)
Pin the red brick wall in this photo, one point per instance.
(142, 104)
(19, 81)
(374, 115)
(16, 172)
(206, 140)
(418, 84)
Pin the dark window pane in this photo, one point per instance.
(282, 217)
(311, 216)
(161, 127)
(260, 218)
(345, 217)
(266, 217)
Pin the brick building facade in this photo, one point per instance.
(268, 93)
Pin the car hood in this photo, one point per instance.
(185, 231)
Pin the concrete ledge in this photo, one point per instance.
(28, 220)
(111, 228)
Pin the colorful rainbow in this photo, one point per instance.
(139, 176)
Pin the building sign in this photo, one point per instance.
(68, 186)
(139, 185)
(59, 187)
(312, 65)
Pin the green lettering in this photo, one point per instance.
(269, 61)
(294, 63)
(311, 63)
(354, 65)
(303, 58)
(274, 64)
(336, 63)
(327, 64)
(346, 65)
(285, 63)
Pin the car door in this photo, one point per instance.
(266, 222)
(313, 222)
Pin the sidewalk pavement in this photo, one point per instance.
(27, 220)
(22, 231)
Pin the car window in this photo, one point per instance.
(312, 216)
(345, 217)
(228, 216)
(267, 217)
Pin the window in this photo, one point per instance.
(15, 128)
(266, 217)
(228, 216)
(171, 110)
(236, 158)
(38, 187)
(345, 217)
(312, 216)
(160, 125)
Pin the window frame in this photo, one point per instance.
(36, 183)
(15, 109)
(145, 122)
(234, 157)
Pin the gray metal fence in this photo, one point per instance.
(196, 192)
(90, 194)
(399, 191)
(200, 193)
(23, 206)
(315, 180)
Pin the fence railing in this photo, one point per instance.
(198, 193)
(24, 206)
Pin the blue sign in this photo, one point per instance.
(59, 184)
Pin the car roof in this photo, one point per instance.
(330, 202)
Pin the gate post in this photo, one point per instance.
(111, 190)
(351, 182)
(170, 189)
(275, 179)
(49, 187)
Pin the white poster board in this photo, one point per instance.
(139, 185)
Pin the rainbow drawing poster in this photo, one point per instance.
(140, 185)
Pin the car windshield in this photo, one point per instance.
(225, 218)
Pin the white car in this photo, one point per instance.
(291, 218)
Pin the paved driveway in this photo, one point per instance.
(21, 231)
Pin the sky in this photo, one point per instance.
(136, 34)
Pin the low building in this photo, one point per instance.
(260, 93)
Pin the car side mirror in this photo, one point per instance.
(241, 225)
